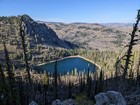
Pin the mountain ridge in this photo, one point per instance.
(36, 32)
(93, 35)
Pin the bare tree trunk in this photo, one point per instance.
(131, 44)
(22, 34)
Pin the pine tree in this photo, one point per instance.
(22, 34)
(4, 91)
(131, 44)
(81, 84)
(75, 72)
(83, 80)
(138, 75)
(30, 88)
(72, 73)
(21, 91)
(96, 89)
(45, 79)
(89, 83)
(10, 79)
(69, 90)
(55, 81)
(101, 81)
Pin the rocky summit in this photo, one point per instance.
(36, 33)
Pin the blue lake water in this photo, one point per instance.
(67, 64)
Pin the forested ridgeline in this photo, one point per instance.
(20, 84)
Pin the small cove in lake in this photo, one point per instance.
(68, 64)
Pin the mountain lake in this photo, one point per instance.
(68, 64)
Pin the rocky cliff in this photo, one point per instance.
(36, 33)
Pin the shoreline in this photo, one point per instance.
(71, 57)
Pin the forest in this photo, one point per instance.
(20, 84)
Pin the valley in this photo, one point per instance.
(54, 60)
(93, 35)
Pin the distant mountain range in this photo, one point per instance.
(57, 34)
(93, 35)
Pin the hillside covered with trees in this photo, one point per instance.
(26, 43)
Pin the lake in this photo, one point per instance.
(68, 64)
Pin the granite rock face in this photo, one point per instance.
(42, 33)
(35, 33)
(110, 98)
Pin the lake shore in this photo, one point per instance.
(72, 57)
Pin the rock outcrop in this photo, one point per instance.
(36, 33)
(110, 98)
(69, 102)
(66, 102)
(56, 102)
(33, 103)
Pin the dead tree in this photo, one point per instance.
(132, 42)
(22, 34)
(128, 54)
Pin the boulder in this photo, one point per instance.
(110, 98)
(33, 103)
(56, 102)
(66, 102)
(116, 98)
(69, 102)
(101, 99)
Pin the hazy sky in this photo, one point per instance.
(91, 11)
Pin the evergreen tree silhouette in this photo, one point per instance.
(4, 91)
(55, 81)
(131, 44)
(89, 83)
(69, 90)
(22, 34)
(10, 79)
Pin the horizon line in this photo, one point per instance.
(78, 22)
(70, 22)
